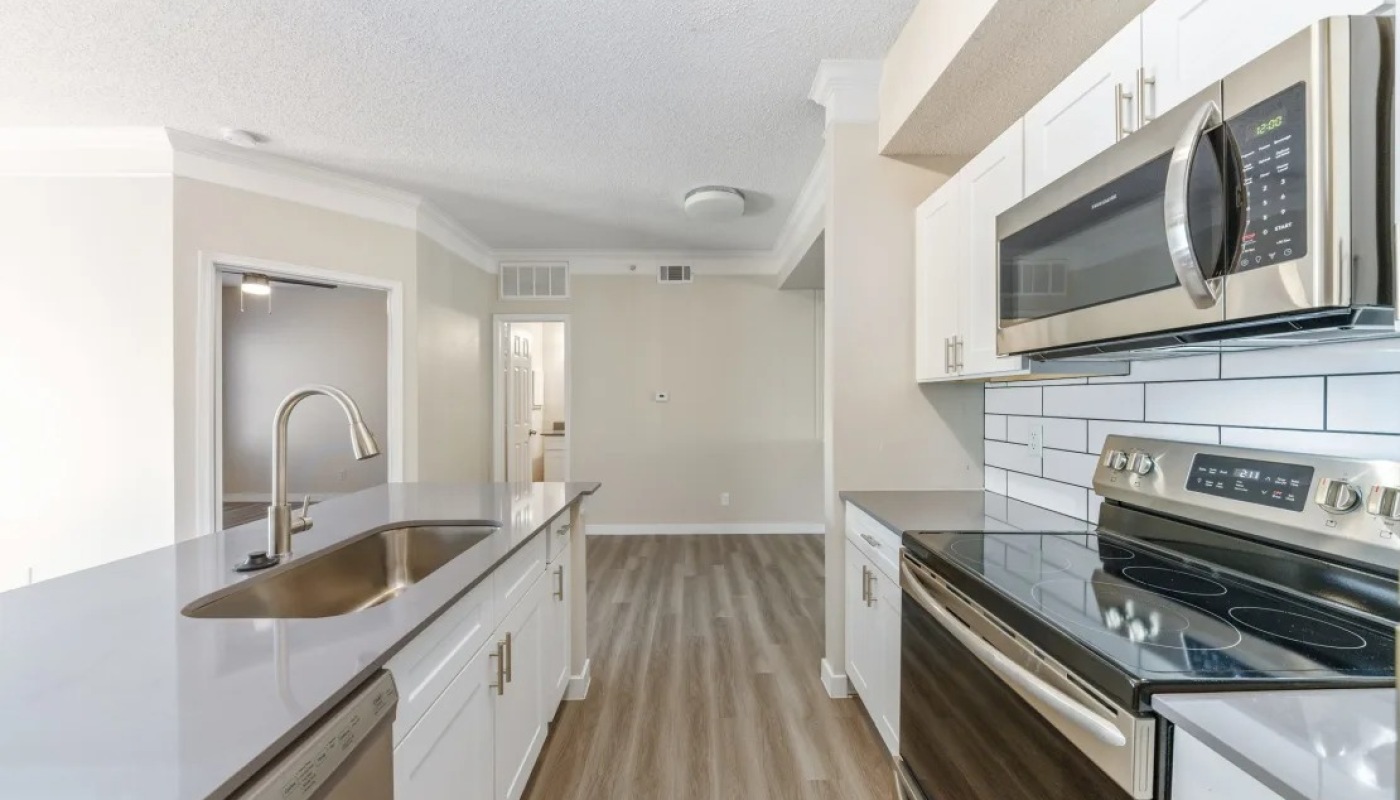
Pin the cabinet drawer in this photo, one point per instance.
(426, 665)
(515, 577)
(559, 537)
(878, 543)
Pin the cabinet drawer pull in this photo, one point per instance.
(509, 666)
(870, 588)
(559, 577)
(499, 655)
(563, 529)
(870, 540)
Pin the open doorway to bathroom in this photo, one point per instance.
(276, 328)
(532, 432)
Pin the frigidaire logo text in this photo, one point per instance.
(1104, 202)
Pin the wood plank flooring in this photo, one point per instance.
(706, 652)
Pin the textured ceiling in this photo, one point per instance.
(535, 123)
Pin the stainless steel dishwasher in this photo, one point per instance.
(348, 755)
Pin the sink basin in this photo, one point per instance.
(358, 574)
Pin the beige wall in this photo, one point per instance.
(740, 361)
(883, 430)
(86, 357)
(454, 350)
(555, 390)
(336, 336)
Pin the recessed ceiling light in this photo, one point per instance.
(241, 138)
(253, 283)
(714, 203)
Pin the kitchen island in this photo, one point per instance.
(111, 692)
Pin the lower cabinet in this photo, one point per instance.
(480, 737)
(1200, 773)
(873, 603)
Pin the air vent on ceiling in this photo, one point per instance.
(674, 273)
(535, 281)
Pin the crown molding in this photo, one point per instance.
(805, 222)
(645, 262)
(434, 223)
(849, 90)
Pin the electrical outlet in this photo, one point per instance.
(662, 397)
(342, 475)
(724, 498)
(1035, 440)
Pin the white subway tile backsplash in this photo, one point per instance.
(1350, 445)
(1377, 355)
(1094, 401)
(1076, 468)
(1187, 368)
(994, 479)
(1015, 457)
(1061, 434)
(1364, 403)
(1264, 403)
(1013, 400)
(994, 426)
(1098, 431)
(1069, 500)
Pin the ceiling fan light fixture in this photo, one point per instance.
(253, 283)
(714, 203)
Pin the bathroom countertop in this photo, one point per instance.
(110, 692)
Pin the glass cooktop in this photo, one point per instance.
(1159, 619)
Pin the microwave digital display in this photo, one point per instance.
(1272, 136)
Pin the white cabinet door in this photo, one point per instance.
(885, 709)
(1199, 773)
(995, 183)
(1188, 44)
(859, 635)
(941, 237)
(450, 752)
(1086, 113)
(520, 726)
(556, 636)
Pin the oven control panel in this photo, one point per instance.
(1272, 140)
(1346, 506)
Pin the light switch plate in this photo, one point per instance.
(1035, 439)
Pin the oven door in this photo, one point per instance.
(985, 717)
(1135, 241)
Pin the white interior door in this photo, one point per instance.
(519, 402)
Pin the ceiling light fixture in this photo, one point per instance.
(253, 283)
(714, 203)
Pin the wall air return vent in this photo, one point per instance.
(534, 281)
(675, 273)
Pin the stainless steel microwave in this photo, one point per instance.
(1256, 213)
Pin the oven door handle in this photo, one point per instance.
(1010, 671)
(1204, 292)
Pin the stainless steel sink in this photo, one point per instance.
(349, 577)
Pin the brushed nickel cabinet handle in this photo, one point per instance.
(559, 577)
(870, 540)
(510, 657)
(958, 353)
(499, 655)
(1143, 81)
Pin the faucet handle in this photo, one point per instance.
(302, 522)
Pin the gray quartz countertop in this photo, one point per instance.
(961, 511)
(1327, 744)
(107, 690)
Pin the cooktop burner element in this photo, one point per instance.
(1112, 552)
(1174, 581)
(1295, 627)
(1011, 559)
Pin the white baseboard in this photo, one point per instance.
(838, 686)
(578, 684)
(690, 528)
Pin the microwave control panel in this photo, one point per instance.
(1272, 137)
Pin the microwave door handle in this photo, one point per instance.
(1204, 292)
(1010, 671)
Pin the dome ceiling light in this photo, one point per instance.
(714, 203)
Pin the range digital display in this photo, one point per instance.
(1265, 483)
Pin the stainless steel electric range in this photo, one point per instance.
(1029, 661)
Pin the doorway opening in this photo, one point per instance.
(269, 329)
(532, 428)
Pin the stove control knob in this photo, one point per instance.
(1384, 502)
(1141, 463)
(1116, 460)
(1336, 496)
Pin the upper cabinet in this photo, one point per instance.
(1187, 44)
(940, 236)
(1089, 111)
(995, 182)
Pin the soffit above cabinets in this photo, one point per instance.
(963, 70)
